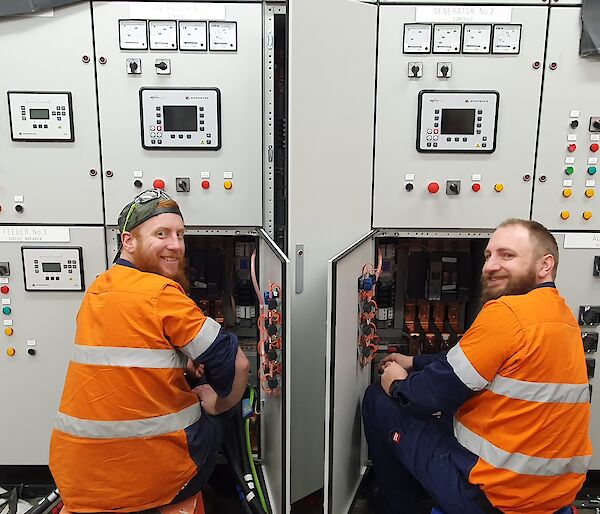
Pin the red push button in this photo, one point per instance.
(476, 187)
(4, 289)
(158, 183)
(433, 187)
(594, 147)
(205, 184)
(572, 147)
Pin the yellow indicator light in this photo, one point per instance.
(567, 193)
(565, 215)
(228, 184)
(10, 352)
(587, 215)
(589, 193)
(8, 331)
(498, 187)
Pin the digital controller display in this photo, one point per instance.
(458, 121)
(39, 114)
(180, 118)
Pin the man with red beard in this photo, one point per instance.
(130, 434)
(515, 386)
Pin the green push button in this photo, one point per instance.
(592, 170)
(569, 170)
(6, 310)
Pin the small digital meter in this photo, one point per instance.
(41, 116)
(457, 121)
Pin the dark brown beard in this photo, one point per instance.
(149, 265)
(515, 285)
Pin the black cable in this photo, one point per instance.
(236, 457)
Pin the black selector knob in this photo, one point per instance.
(574, 124)
(137, 183)
(161, 65)
(590, 364)
(589, 315)
(415, 70)
(444, 70)
(590, 342)
(31, 351)
(596, 124)
(410, 186)
(19, 208)
(133, 66)
(454, 188)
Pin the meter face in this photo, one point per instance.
(446, 39)
(507, 39)
(133, 35)
(476, 39)
(417, 38)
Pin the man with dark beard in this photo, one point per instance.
(516, 387)
(130, 434)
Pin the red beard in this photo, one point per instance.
(151, 265)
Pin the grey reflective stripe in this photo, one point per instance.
(540, 391)
(158, 425)
(464, 370)
(519, 462)
(128, 357)
(205, 337)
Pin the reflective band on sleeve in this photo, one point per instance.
(205, 337)
(540, 391)
(128, 357)
(519, 462)
(464, 370)
(137, 428)
(250, 496)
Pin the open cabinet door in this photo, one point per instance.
(273, 434)
(345, 445)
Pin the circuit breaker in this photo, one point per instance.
(50, 168)
(189, 78)
(451, 90)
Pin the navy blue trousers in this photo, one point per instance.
(411, 453)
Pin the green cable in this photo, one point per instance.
(251, 460)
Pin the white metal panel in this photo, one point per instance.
(273, 420)
(578, 286)
(518, 83)
(44, 322)
(331, 102)
(570, 89)
(470, 2)
(51, 54)
(238, 76)
(345, 444)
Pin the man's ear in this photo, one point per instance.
(547, 266)
(128, 242)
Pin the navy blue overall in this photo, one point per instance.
(412, 452)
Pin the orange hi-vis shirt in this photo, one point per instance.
(130, 433)
(529, 425)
